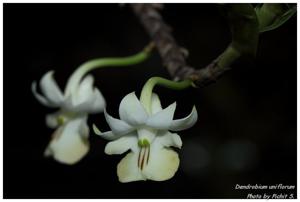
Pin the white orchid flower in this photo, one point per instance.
(145, 132)
(69, 143)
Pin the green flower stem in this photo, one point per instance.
(146, 93)
(228, 57)
(75, 78)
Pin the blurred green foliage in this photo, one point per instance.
(246, 22)
(273, 15)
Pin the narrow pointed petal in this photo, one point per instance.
(84, 91)
(50, 89)
(96, 130)
(117, 126)
(68, 145)
(162, 119)
(185, 123)
(86, 83)
(41, 98)
(156, 105)
(128, 170)
(122, 145)
(132, 111)
(75, 78)
(163, 164)
(108, 135)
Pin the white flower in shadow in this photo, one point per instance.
(147, 136)
(69, 142)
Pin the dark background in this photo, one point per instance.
(245, 134)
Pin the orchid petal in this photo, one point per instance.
(94, 104)
(68, 145)
(84, 129)
(74, 79)
(185, 123)
(41, 98)
(117, 126)
(86, 83)
(84, 91)
(71, 104)
(128, 170)
(81, 99)
(167, 139)
(155, 104)
(132, 111)
(96, 130)
(99, 102)
(84, 106)
(162, 119)
(122, 144)
(163, 164)
(108, 135)
(50, 89)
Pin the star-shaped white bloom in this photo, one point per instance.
(147, 135)
(69, 142)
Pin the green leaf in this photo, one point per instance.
(272, 16)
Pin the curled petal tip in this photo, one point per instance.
(50, 73)
(195, 110)
(109, 135)
(50, 88)
(185, 123)
(43, 100)
(96, 130)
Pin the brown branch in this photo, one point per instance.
(173, 55)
